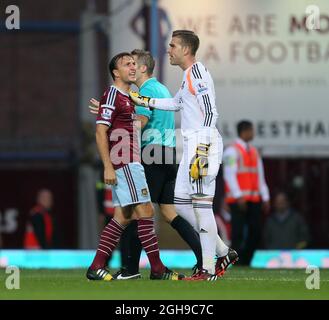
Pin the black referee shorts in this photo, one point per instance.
(161, 181)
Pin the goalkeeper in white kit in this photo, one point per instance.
(202, 152)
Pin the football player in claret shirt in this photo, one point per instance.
(160, 175)
(117, 142)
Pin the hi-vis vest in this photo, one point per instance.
(247, 175)
(31, 241)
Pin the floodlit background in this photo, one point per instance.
(267, 65)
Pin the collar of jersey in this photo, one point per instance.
(126, 94)
(195, 63)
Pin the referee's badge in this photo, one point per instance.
(145, 192)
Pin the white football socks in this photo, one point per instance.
(221, 247)
(200, 215)
(208, 232)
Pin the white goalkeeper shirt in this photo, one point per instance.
(196, 100)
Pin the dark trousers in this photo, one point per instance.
(246, 230)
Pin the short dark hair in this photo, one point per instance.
(189, 39)
(114, 62)
(145, 58)
(243, 125)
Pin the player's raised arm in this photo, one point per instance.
(167, 104)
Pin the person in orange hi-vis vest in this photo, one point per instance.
(40, 229)
(246, 191)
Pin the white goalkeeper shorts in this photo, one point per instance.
(205, 186)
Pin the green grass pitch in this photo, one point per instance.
(238, 283)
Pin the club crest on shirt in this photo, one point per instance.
(145, 192)
(106, 113)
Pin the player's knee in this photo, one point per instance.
(145, 210)
(123, 215)
(168, 219)
(168, 212)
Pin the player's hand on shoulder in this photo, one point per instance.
(94, 106)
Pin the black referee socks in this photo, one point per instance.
(190, 236)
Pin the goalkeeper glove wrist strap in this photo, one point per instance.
(202, 149)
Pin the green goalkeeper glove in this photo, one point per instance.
(199, 164)
(139, 99)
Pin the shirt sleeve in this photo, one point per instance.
(202, 89)
(168, 104)
(206, 101)
(230, 170)
(264, 192)
(106, 109)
